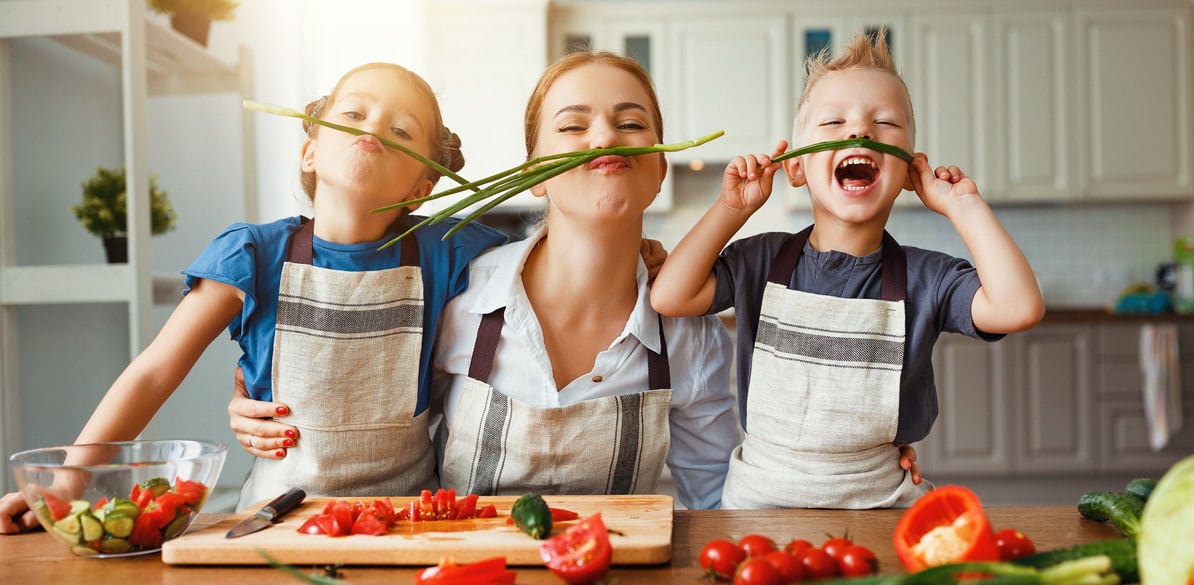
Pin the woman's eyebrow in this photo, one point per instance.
(584, 109)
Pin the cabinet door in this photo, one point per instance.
(1053, 423)
(951, 57)
(728, 74)
(1136, 109)
(1124, 439)
(1033, 123)
(970, 435)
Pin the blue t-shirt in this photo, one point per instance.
(941, 289)
(250, 257)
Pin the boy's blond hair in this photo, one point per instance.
(864, 51)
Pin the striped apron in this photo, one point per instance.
(824, 398)
(346, 362)
(612, 445)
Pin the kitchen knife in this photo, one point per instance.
(265, 517)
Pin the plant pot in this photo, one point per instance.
(116, 248)
(192, 25)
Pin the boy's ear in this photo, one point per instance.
(307, 159)
(795, 172)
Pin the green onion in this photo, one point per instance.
(849, 143)
(292, 113)
(510, 182)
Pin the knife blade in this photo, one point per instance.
(269, 514)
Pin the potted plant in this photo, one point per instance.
(193, 17)
(103, 211)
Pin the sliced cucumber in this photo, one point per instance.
(92, 528)
(118, 524)
(69, 529)
(79, 506)
(157, 485)
(43, 514)
(176, 526)
(115, 546)
(83, 550)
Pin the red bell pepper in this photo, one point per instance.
(946, 525)
(491, 571)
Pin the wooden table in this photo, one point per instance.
(40, 558)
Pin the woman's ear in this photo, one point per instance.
(795, 172)
(307, 159)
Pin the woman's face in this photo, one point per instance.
(384, 102)
(597, 106)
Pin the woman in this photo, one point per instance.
(585, 388)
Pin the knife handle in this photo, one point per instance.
(284, 503)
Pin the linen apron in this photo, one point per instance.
(611, 445)
(824, 397)
(346, 362)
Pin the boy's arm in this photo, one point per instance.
(1009, 299)
(685, 284)
(154, 374)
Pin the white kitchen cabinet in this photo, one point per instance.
(971, 432)
(153, 60)
(1135, 80)
(1054, 395)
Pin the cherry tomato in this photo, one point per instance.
(757, 572)
(756, 545)
(817, 564)
(581, 554)
(857, 561)
(797, 546)
(721, 557)
(789, 568)
(835, 546)
(1013, 544)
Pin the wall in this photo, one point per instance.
(1084, 255)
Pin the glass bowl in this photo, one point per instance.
(118, 499)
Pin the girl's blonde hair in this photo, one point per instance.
(864, 51)
(572, 61)
(445, 147)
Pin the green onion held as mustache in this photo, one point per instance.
(849, 143)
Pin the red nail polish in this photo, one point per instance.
(287, 443)
(290, 433)
(280, 410)
(280, 453)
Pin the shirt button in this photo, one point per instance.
(597, 378)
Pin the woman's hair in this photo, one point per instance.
(572, 61)
(864, 51)
(445, 146)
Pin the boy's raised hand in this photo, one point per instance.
(746, 183)
(941, 187)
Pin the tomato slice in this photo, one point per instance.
(312, 526)
(485, 572)
(946, 525)
(58, 507)
(368, 524)
(581, 554)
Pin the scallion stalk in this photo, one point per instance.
(848, 143)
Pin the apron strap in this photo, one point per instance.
(894, 273)
(302, 244)
(659, 374)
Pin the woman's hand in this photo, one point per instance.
(15, 515)
(908, 463)
(252, 422)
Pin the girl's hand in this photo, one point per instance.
(908, 463)
(252, 422)
(15, 515)
(940, 188)
(746, 183)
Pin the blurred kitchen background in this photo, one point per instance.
(1074, 116)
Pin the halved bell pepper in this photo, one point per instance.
(946, 525)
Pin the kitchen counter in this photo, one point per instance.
(38, 558)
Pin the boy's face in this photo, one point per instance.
(856, 183)
(386, 103)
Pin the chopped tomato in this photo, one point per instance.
(946, 525)
(311, 526)
(368, 524)
(191, 491)
(581, 554)
(487, 572)
(100, 503)
(58, 507)
(489, 511)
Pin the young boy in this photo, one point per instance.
(836, 324)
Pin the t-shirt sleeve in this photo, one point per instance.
(231, 258)
(957, 286)
(740, 271)
(468, 243)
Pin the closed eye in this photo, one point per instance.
(399, 132)
(353, 115)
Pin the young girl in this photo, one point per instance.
(326, 321)
(836, 324)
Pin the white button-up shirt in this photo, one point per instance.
(703, 426)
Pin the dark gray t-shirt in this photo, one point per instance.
(940, 290)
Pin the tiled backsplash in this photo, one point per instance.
(1084, 255)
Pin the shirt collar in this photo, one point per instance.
(504, 288)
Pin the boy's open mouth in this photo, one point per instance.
(856, 173)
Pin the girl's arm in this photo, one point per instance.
(1009, 299)
(685, 285)
(154, 374)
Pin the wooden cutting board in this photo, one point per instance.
(641, 525)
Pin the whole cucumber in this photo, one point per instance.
(1121, 551)
(1121, 510)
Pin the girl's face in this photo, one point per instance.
(596, 106)
(365, 172)
(857, 183)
